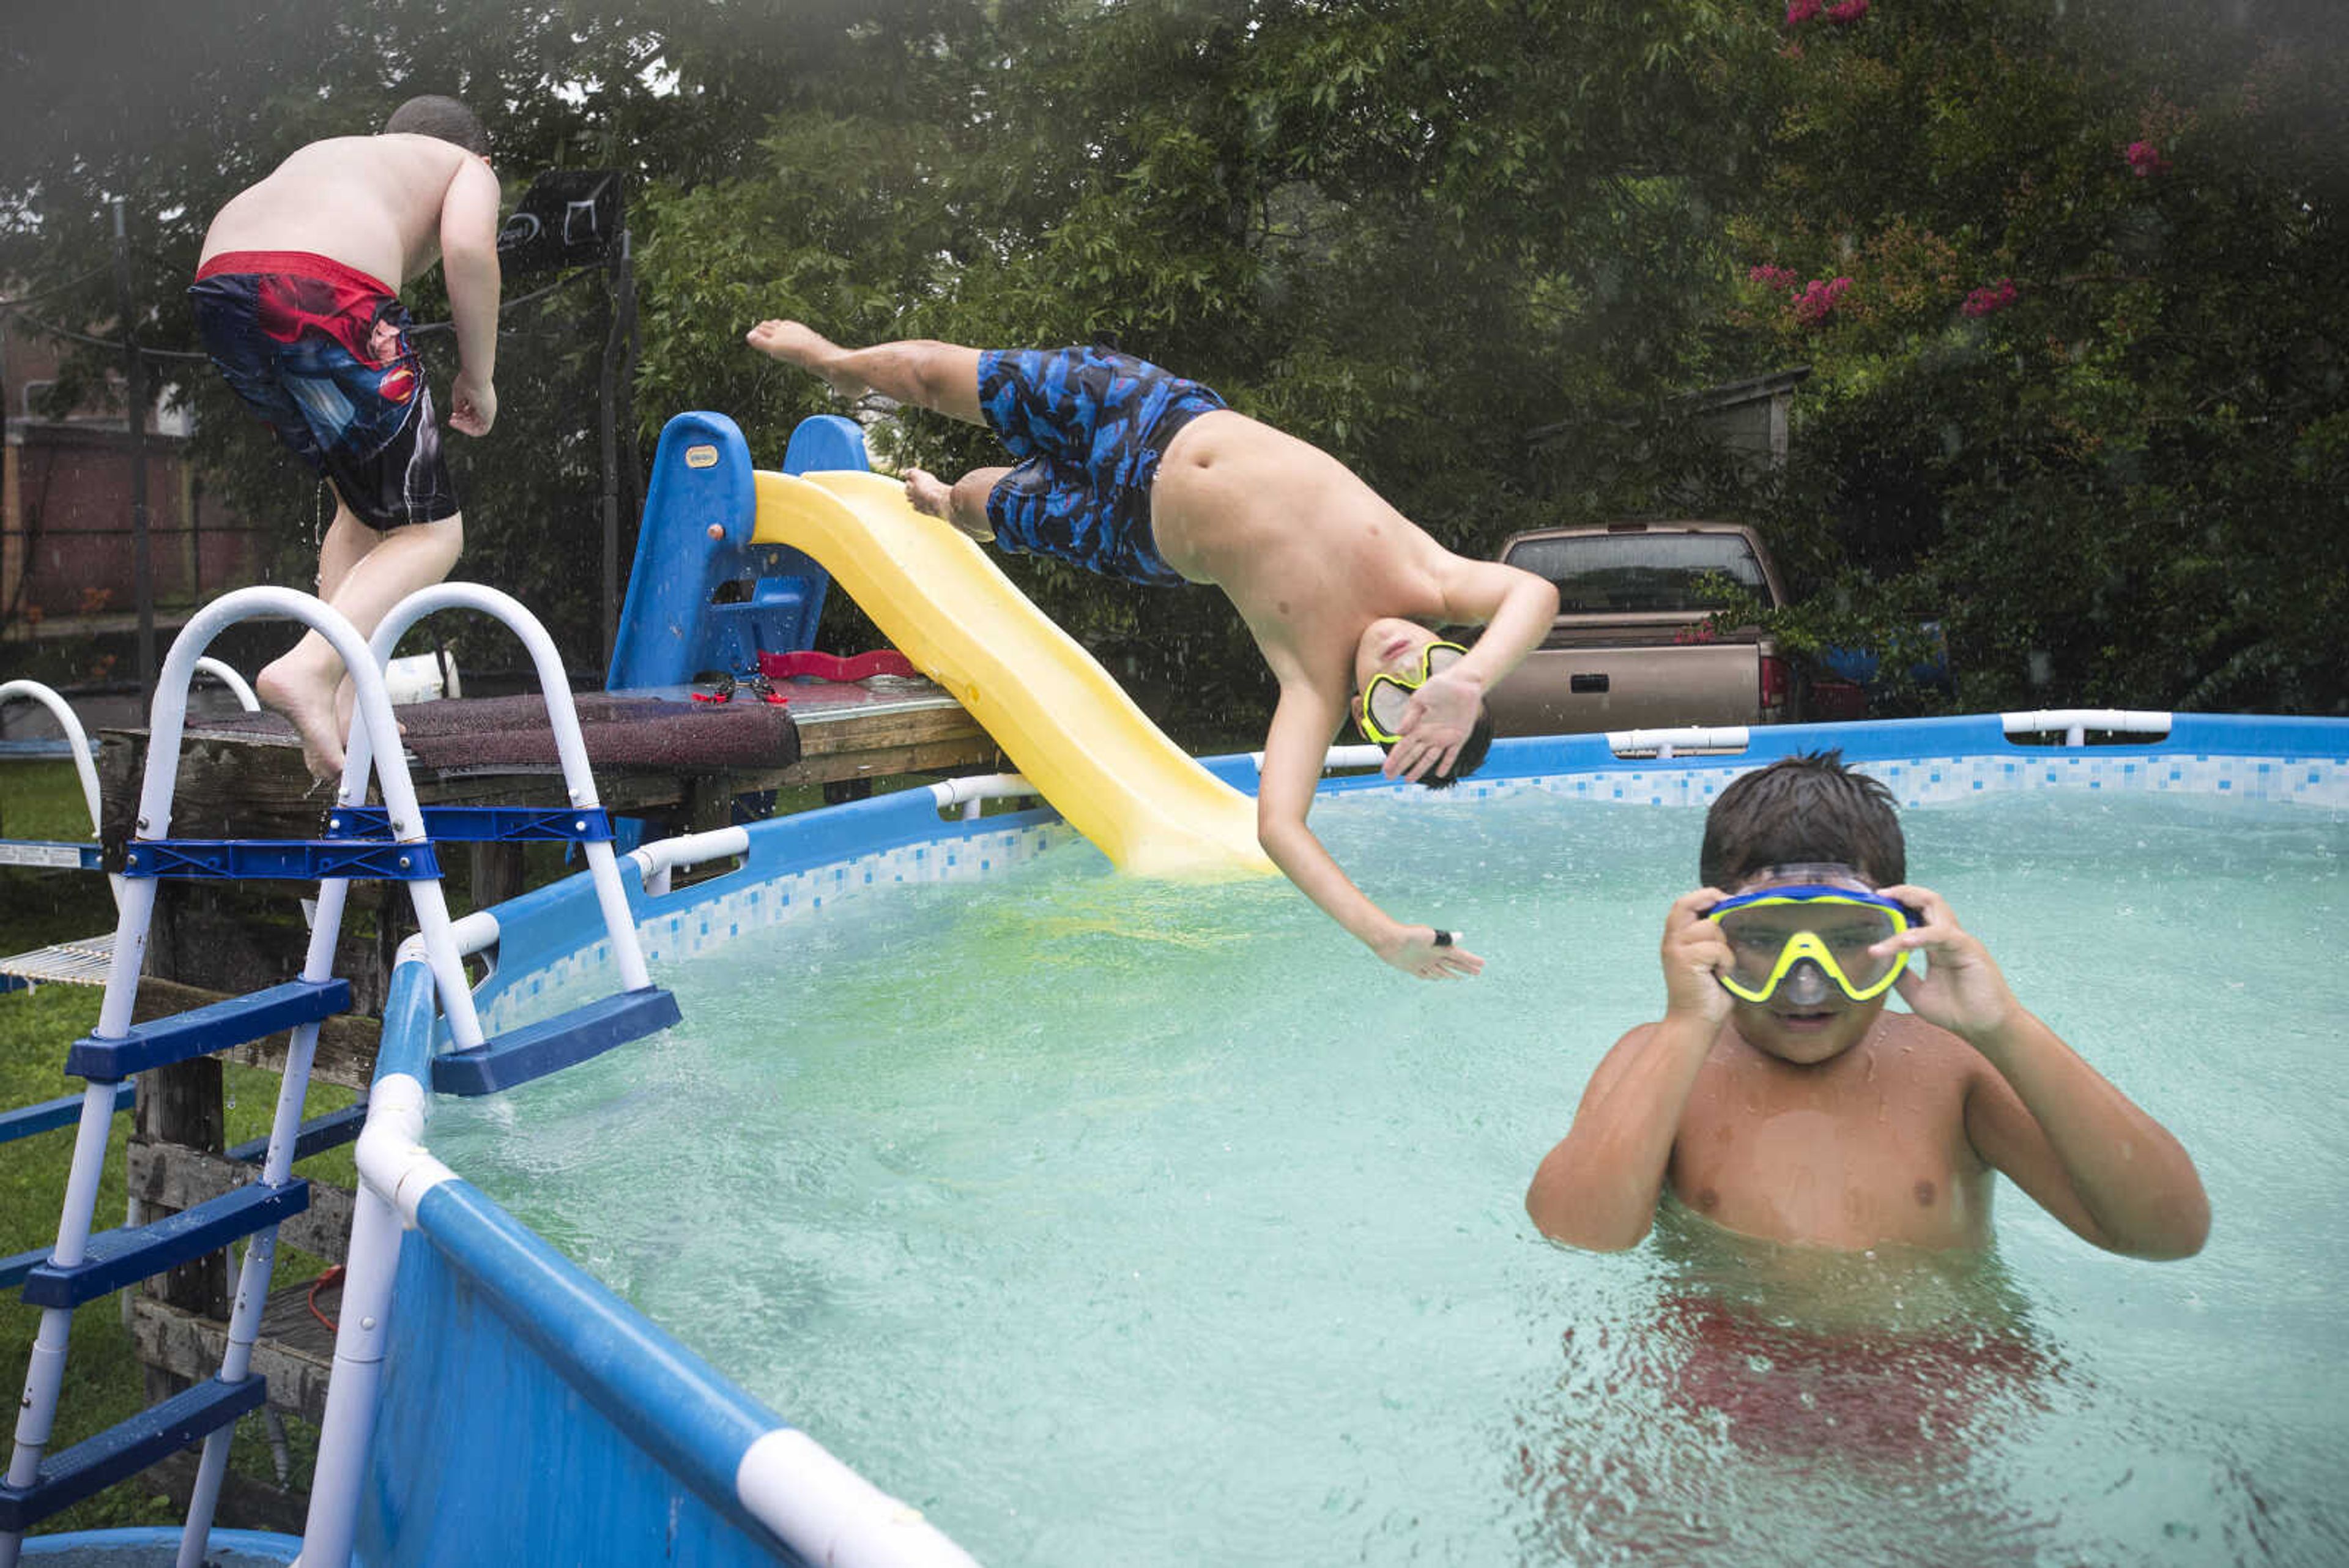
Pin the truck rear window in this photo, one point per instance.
(1638, 573)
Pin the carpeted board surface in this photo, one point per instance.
(620, 731)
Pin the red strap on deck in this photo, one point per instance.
(832, 667)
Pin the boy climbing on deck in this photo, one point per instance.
(1780, 1099)
(297, 298)
(1136, 474)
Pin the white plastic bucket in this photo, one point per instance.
(420, 678)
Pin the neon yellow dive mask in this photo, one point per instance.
(1384, 699)
(1823, 915)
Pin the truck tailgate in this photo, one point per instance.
(1615, 686)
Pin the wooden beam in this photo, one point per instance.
(244, 1503)
(179, 1179)
(295, 1352)
(347, 1044)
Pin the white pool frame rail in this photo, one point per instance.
(2076, 723)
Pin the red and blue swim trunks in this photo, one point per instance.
(1089, 426)
(321, 353)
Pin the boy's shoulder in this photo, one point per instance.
(388, 157)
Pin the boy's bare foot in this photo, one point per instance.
(312, 711)
(795, 344)
(934, 497)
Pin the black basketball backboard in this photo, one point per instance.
(568, 217)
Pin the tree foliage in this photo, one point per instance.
(2068, 277)
(2081, 393)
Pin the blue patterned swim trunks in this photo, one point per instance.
(1088, 426)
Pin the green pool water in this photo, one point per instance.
(1115, 1222)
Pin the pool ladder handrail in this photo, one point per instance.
(473, 1064)
(82, 1267)
(391, 841)
(476, 1064)
(73, 962)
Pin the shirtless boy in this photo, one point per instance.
(1781, 1100)
(1136, 474)
(297, 299)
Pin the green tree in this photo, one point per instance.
(1410, 232)
(2072, 283)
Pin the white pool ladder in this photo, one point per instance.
(393, 841)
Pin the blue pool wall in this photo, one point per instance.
(524, 1403)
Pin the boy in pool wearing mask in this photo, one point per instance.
(1781, 1099)
(1136, 474)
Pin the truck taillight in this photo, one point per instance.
(1774, 684)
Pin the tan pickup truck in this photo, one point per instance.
(1629, 649)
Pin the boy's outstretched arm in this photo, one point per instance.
(1598, 1188)
(468, 265)
(1293, 750)
(2058, 1128)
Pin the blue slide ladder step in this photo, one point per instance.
(62, 1112)
(537, 1049)
(121, 1257)
(96, 1463)
(48, 1117)
(14, 1270)
(184, 1036)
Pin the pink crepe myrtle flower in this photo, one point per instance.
(1771, 276)
(1801, 11)
(1847, 12)
(2144, 159)
(1990, 301)
(1819, 299)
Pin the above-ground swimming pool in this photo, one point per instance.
(1110, 1220)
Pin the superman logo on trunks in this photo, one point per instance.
(321, 353)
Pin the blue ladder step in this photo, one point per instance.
(118, 1258)
(537, 1049)
(317, 1134)
(118, 1452)
(184, 1036)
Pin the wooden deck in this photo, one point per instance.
(244, 776)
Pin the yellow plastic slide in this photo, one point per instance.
(1069, 728)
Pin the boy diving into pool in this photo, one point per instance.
(1136, 474)
(1781, 1100)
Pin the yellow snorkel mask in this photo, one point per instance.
(1386, 697)
(1808, 924)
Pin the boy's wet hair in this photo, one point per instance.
(432, 115)
(1471, 754)
(1805, 808)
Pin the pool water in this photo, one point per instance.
(1121, 1223)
